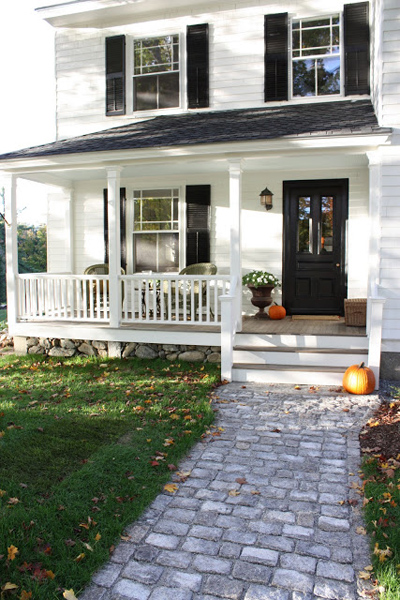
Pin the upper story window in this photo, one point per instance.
(316, 57)
(156, 73)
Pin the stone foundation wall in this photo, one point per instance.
(67, 348)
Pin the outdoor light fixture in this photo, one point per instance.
(266, 198)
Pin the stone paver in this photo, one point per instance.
(263, 515)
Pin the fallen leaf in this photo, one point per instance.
(25, 595)
(97, 537)
(241, 480)
(234, 493)
(50, 574)
(361, 531)
(80, 557)
(12, 552)
(364, 575)
(171, 487)
(88, 546)
(69, 595)
(8, 587)
(13, 501)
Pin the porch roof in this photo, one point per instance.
(305, 120)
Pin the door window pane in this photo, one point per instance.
(304, 225)
(326, 229)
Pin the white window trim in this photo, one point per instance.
(182, 74)
(130, 224)
(325, 97)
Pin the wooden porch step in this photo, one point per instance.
(280, 357)
(300, 374)
(292, 341)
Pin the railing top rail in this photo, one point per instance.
(138, 276)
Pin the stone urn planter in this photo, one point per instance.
(261, 299)
(261, 284)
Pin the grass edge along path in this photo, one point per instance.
(381, 508)
(85, 446)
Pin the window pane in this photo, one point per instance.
(303, 231)
(316, 38)
(168, 90)
(316, 22)
(328, 76)
(326, 241)
(156, 209)
(156, 252)
(304, 77)
(296, 40)
(145, 93)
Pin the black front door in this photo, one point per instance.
(314, 273)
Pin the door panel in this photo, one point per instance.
(314, 277)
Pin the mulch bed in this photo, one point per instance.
(381, 435)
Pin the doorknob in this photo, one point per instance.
(338, 264)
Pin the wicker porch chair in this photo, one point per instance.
(99, 269)
(195, 269)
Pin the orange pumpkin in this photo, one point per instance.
(277, 312)
(359, 379)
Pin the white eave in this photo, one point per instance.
(214, 157)
(97, 13)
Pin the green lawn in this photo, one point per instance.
(3, 317)
(381, 487)
(85, 446)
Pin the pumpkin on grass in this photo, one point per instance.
(359, 379)
(277, 312)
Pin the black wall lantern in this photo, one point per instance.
(266, 198)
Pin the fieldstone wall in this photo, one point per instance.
(68, 347)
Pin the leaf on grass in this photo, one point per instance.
(25, 595)
(7, 587)
(50, 574)
(2, 493)
(80, 557)
(69, 595)
(97, 537)
(12, 552)
(88, 547)
(40, 429)
(171, 487)
(13, 501)
(70, 543)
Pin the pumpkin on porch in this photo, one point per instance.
(359, 379)
(277, 312)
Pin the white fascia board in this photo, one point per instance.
(80, 12)
(225, 151)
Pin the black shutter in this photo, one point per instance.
(197, 66)
(115, 75)
(198, 201)
(276, 57)
(122, 195)
(356, 48)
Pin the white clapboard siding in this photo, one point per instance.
(236, 57)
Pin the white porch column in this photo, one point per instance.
(374, 222)
(69, 226)
(235, 208)
(10, 188)
(114, 240)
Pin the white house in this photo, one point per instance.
(171, 119)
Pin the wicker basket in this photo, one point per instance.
(355, 312)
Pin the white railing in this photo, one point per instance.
(157, 298)
(43, 296)
(173, 299)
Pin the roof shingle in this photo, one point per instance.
(305, 119)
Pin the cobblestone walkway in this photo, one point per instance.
(264, 513)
